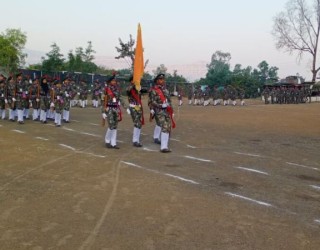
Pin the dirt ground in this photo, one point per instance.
(237, 178)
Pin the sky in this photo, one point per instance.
(180, 34)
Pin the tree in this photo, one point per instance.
(219, 69)
(127, 50)
(12, 43)
(55, 60)
(160, 69)
(297, 30)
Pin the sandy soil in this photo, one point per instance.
(237, 178)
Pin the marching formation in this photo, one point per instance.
(286, 95)
(216, 96)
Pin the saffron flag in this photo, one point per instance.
(138, 66)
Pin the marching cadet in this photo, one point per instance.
(111, 111)
(21, 96)
(83, 94)
(241, 94)
(160, 102)
(136, 111)
(157, 128)
(11, 98)
(3, 100)
(95, 94)
(34, 96)
(57, 101)
(44, 100)
(28, 104)
(69, 95)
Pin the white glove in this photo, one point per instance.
(78, 93)
(37, 100)
(14, 99)
(67, 95)
(151, 111)
(104, 116)
(6, 101)
(30, 101)
(27, 92)
(164, 105)
(52, 105)
(58, 97)
(128, 111)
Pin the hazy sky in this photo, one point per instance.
(180, 34)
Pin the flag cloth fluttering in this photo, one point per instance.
(138, 66)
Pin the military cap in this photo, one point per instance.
(111, 78)
(159, 76)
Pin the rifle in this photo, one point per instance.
(104, 107)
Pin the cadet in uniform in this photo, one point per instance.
(160, 102)
(3, 100)
(111, 111)
(136, 111)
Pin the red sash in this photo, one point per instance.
(137, 98)
(169, 108)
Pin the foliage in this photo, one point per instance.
(297, 30)
(12, 43)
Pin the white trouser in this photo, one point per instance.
(43, 115)
(3, 113)
(164, 141)
(136, 135)
(57, 119)
(66, 115)
(157, 132)
(35, 114)
(20, 115)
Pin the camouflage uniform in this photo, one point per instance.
(34, 94)
(44, 100)
(11, 98)
(136, 111)
(57, 102)
(22, 93)
(161, 104)
(3, 99)
(96, 93)
(112, 112)
(69, 93)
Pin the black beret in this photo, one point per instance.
(159, 76)
(111, 78)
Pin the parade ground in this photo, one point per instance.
(243, 177)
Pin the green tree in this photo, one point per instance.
(297, 29)
(219, 69)
(54, 61)
(160, 69)
(12, 43)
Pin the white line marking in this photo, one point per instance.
(143, 134)
(66, 146)
(94, 124)
(315, 187)
(85, 133)
(82, 152)
(157, 172)
(198, 159)
(42, 138)
(75, 121)
(298, 165)
(317, 221)
(182, 179)
(172, 139)
(150, 150)
(132, 164)
(18, 131)
(239, 153)
(249, 199)
(189, 146)
(120, 141)
(253, 170)
(69, 129)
